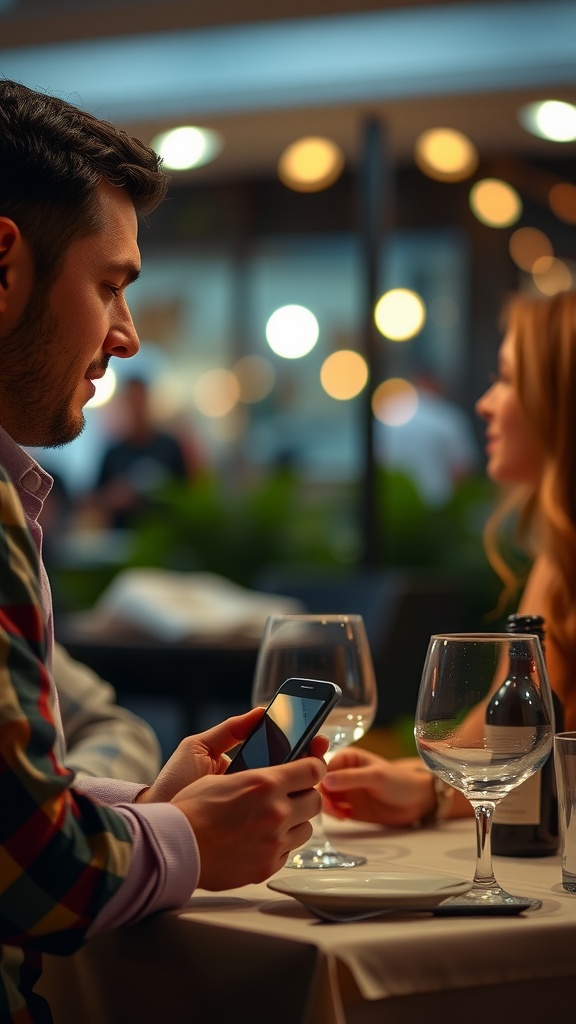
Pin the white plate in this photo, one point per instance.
(342, 892)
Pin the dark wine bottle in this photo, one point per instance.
(525, 822)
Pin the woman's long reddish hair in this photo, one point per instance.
(544, 333)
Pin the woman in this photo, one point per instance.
(530, 412)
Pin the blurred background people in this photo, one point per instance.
(436, 446)
(139, 460)
(103, 739)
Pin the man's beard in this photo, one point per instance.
(40, 403)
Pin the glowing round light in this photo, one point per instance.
(395, 401)
(216, 393)
(310, 164)
(551, 276)
(562, 199)
(292, 331)
(495, 203)
(445, 154)
(527, 245)
(344, 374)
(400, 314)
(255, 377)
(550, 119)
(186, 147)
(105, 388)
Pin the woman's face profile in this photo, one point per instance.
(512, 449)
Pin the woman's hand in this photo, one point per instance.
(365, 786)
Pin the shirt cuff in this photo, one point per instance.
(164, 870)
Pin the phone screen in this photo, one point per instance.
(278, 732)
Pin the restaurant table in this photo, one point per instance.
(254, 956)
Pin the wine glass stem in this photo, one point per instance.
(318, 834)
(484, 874)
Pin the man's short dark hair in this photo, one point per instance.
(52, 157)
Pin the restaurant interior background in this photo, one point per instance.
(287, 413)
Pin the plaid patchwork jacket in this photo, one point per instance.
(62, 855)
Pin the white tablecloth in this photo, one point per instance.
(254, 956)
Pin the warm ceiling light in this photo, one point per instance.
(216, 393)
(395, 402)
(528, 245)
(256, 378)
(495, 203)
(445, 154)
(400, 314)
(310, 164)
(292, 331)
(187, 147)
(554, 120)
(562, 199)
(344, 374)
(551, 276)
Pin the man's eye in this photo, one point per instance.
(113, 290)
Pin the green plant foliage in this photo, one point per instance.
(209, 525)
(204, 526)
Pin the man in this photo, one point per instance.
(79, 858)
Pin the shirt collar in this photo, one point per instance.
(26, 474)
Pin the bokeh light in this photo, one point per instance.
(554, 120)
(495, 203)
(527, 245)
(310, 164)
(551, 276)
(256, 377)
(395, 401)
(400, 314)
(292, 331)
(445, 154)
(216, 393)
(344, 374)
(562, 199)
(187, 147)
(105, 389)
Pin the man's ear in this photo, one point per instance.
(14, 261)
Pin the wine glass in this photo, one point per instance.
(334, 648)
(484, 723)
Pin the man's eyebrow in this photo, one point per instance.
(129, 270)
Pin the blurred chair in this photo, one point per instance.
(400, 608)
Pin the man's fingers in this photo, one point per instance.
(228, 734)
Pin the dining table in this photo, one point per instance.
(254, 955)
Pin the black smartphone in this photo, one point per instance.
(292, 718)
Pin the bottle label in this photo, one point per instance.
(509, 740)
(522, 805)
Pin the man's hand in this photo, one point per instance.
(196, 756)
(247, 823)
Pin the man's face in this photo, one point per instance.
(69, 332)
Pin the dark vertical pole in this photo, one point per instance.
(372, 197)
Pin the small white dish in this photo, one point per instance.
(342, 892)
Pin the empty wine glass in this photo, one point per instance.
(331, 647)
(484, 723)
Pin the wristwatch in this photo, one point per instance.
(444, 794)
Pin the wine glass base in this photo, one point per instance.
(490, 900)
(321, 857)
